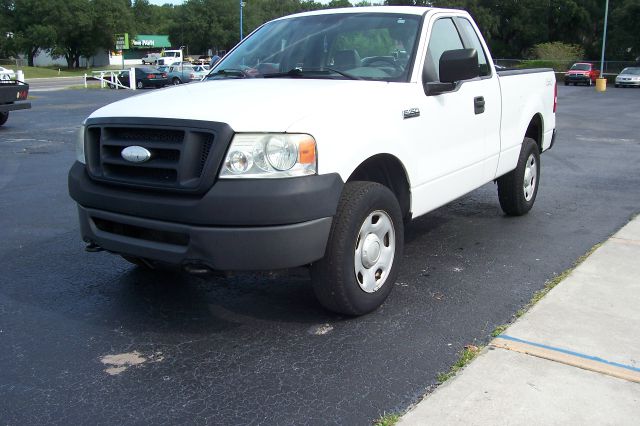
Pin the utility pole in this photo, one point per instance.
(241, 7)
(604, 38)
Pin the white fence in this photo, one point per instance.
(109, 78)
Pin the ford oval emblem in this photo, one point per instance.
(136, 154)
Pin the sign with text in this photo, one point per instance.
(122, 41)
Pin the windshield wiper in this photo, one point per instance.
(228, 72)
(307, 72)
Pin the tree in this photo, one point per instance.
(624, 27)
(32, 31)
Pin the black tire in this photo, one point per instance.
(590, 83)
(139, 85)
(175, 81)
(566, 83)
(334, 279)
(511, 188)
(4, 116)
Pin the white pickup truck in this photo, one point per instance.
(169, 57)
(312, 143)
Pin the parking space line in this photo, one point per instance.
(568, 357)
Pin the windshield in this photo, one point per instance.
(370, 46)
(581, 67)
(632, 71)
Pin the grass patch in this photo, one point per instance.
(387, 420)
(47, 72)
(89, 87)
(499, 330)
(466, 356)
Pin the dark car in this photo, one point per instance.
(145, 77)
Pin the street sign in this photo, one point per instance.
(122, 41)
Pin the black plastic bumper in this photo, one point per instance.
(219, 248)
(236, 225)
(228, 203)
(15, 107)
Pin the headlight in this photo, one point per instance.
(80, 145)
(270, 155)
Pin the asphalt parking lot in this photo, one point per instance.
(88, 338)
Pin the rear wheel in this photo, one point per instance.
(175, 81)
(139, 85)
(517, 189)
(4, 116)
(365, 246)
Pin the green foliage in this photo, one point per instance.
(558, 51)
(387, 420)
(512, 28)
(466, 356)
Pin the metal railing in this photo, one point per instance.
(610, 67)
(109, 78)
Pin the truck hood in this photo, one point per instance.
(251, 105)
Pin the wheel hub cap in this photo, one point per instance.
(530, 178)
(370, 250)
(374, 251)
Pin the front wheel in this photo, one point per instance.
(517, 189)
(176, 81)
(4, 116)
(365, 246)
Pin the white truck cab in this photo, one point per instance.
(169, 57)
(311, 143)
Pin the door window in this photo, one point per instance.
(444, 36)
(472, 41)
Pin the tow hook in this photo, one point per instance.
(93, 248)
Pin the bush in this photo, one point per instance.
(557, 51)
(556, 55)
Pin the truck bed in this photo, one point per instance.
(12, 91)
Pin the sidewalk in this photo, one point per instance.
(574, 358)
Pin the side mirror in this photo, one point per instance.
(455, 65)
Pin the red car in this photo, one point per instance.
(581, 73)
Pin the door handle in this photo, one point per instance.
(478, 105)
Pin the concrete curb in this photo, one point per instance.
(573, 357)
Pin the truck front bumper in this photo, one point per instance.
(236, 225)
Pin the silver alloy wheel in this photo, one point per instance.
(375, 250)
(530, 177)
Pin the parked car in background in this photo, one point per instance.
(581, 73)
(179, 74)
(628, 77)
(13, 96)
(7, 74)
(202, 60)
(151, 59)
(144, 77)
(200, 71)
